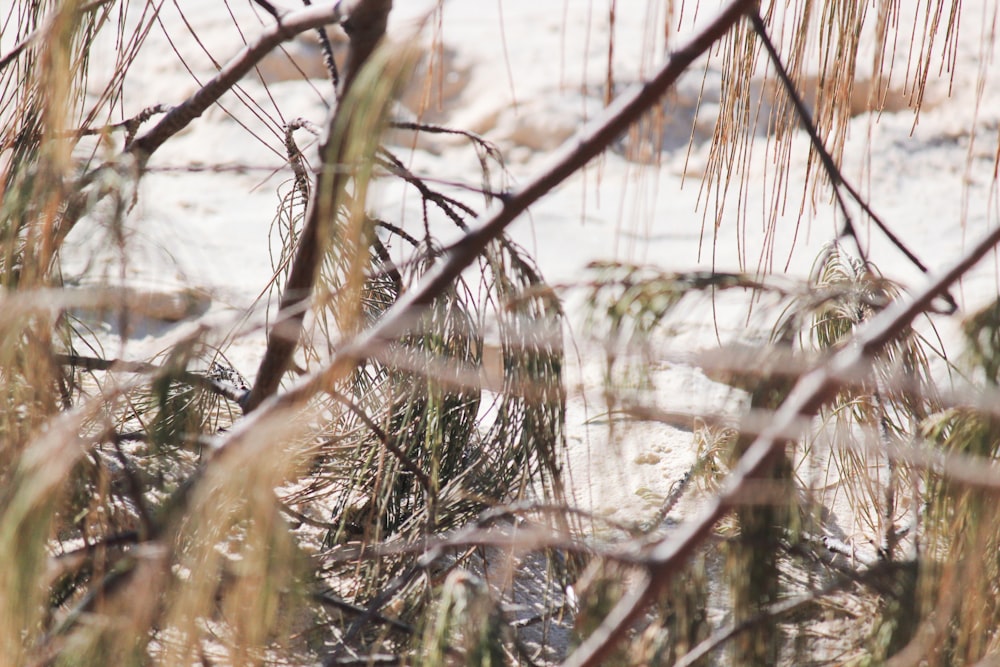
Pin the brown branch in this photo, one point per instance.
(180, 116)
(810, 393)
(574, 155)
(331, 600)
(365, 22)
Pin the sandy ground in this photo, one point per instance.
(527, 74)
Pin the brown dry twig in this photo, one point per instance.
(365, 22)
(180, 116)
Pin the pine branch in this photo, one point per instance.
(331, 64)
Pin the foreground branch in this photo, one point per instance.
(365, 23)
(810, 393)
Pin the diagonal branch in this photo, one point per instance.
(288, 26)
(365, 22)
(574, 155)
(810, 393)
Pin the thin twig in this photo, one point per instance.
(330, 600)
(395, 166)
(269, 8)
(180, 116)
(386, 441)
(130, 125)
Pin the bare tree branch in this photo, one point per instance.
(179, 117)
(809, 394)
(365, 22)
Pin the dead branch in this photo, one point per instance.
(575, 154)
(364, 21)
(179, 117)
(805, 400)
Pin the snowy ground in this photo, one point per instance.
(528, 87)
